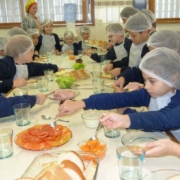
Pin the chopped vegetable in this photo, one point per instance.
(65, 82)
(95, 147)
(77, 66)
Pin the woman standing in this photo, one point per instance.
(32, 20)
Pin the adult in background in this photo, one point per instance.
(32, 20)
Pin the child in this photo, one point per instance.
(163, 147)
(127, 12)
(48, 41)
(152, 18)
(138, 27)
(17, 64)
(161, 72)
(3, 41)
(161, 38)
(121, 46)
(34, 34)
(85, 33)
(69, 46)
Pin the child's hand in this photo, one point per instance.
(133, 86)
(40, 99)
(57, 52)
(60, 69)
(120, 83)
(19, 82)
(87, 53)
(115, 72)
(108, 67)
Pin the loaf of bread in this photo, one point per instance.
(69, 166)
(106, 76)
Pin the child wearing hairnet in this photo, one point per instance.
(121, 45)
(162, 38)
(85, 34)
(3, 41)
(16, 31)
(69, 47)
(161, 94)
(138, 27)
(48, 41)
(17, 64)
(34, 34)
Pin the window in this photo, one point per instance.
(166, 11)
(13, 11)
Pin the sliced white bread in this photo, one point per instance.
(72, 156)
(72, 170)
(53, 172)
(90, 171)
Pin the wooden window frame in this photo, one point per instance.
(151, 4)
(57, 23)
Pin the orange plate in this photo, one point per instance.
(41, 137)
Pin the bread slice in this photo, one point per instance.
(83, 74)
(90, 171)
(72, 170)
(73, 157)
(106, 76)
(75, 75)
(53, 172)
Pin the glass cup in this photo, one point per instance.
(97, 70)
(107, 86)
(20, 92)
(129, 163)
(43, 84)
(22, 114)
(49, 74)
(103, 59)
(6, 137)
(97, 85)
(111, 133)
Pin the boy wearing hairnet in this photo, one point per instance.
(161, 94)
(17, 64)
(3, 41)
(138, 27)
(161, 38)
(69, 47)
(16, 31)
(48, 41)
(34, 34)
(85, 34)
(121, 45)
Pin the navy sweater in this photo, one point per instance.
(167, 118)
(8, 71)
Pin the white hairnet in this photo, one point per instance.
(138, 23)
(164, 65)
(3, 42)
(178, 33)
(149, 14)
(68, 33)
(15, 31)
(47, 21)
(84, 29)
(128, 11)
(164, 38)
(115, 28)
(32, 32)
(17, 45)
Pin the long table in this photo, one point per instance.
(14, 166)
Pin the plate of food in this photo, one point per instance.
(163, 174)
(64, 165)
(42, 137)
(64, 94)
(141, 138)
